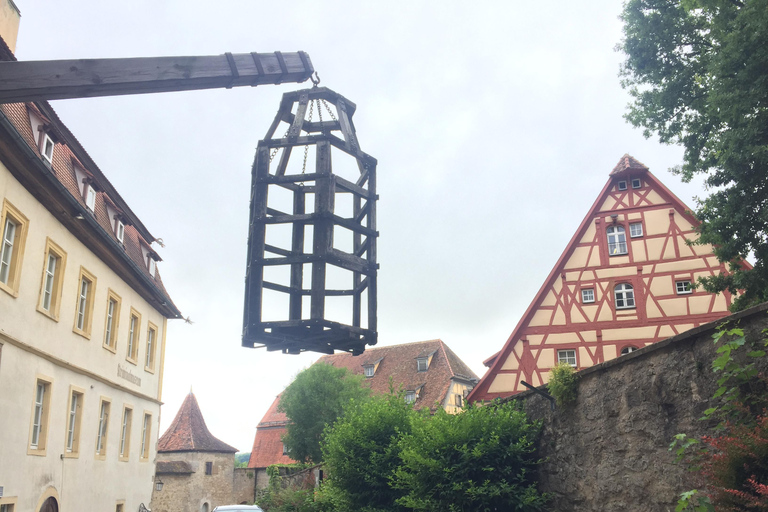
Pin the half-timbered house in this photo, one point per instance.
(626, 279)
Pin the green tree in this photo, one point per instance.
(479, 460)
(697, 71)
(314, 400)
(362, 452)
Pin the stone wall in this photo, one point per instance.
(243, 486)
(609, 450)
(191, 492)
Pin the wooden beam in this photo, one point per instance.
(86, 78)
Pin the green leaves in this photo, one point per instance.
(697, 72)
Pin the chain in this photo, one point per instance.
(328, 109)
(306, 146)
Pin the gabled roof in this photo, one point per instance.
(188, 432)
(399, 363)
(267, 444)
(626, 163)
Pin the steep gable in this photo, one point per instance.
(188, 432)
(619, 285)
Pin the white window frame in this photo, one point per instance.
(587, 295)
(50, 277)
(41, 389)
(637, 183)
(151, 266)
(567, 356)
(422, 364)
(6, 251)
(636, 230)
(617, 240)
(410, 397)
(368, 370)
(622, 185)
(149, 358)
(627, 350)
(119, 230)
(125, 433)
(683, 290)
(103, 430)
(90, 197)
(45, 143)
(82, 302)
(625, 293)
(146, 431)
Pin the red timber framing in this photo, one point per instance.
(626, 279)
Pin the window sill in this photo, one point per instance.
(52, 316)
(110, 348)
(618, 254)
(132, 361)
(122, 459)
(149, 370)
(36, 452)
(84, 334)
(10, 291)
(626, 308)
(71, 455)
(101, 456)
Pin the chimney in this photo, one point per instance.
(9, 23)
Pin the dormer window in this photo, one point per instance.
(422, 364)
(90, 197)
(152, 266)
(119, 230)
(46, 148)
(368, 370)
(410, 397)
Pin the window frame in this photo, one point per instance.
(126, 422)
(458, 400)
(369, 371)
(566, 359)
(419, 361)
(584, 300)
(628, 348)
(102, 430)
(45, 138)
(89, 197)
(21, 226)
(119, 230)
(209, 465)
(638, 225)
(9, 502)
(150, 356)
(72, 425)
(84, 304)
(38, 426)
(111, 328)
(621, 185)
(618, 233)
(146, 436)
(410, 396)
(134, 337)
(684, 291)
(625, 287)
(638, 181)
(52, 249)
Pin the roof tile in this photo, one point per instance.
(188, 432)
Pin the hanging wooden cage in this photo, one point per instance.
(311, 276)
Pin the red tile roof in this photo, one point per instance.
(397, 361)
(628, 162)
(188, 432)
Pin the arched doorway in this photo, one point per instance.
(50, 505)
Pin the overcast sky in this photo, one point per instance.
(495, 125)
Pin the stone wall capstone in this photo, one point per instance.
(609, 451)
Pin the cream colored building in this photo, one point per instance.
(83, 317)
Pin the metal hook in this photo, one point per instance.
(315, 79)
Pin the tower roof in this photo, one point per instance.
(188, 432)
(626, 163)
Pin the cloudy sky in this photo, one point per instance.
(495, 124)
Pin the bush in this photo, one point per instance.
(481, 459)
(563, 383)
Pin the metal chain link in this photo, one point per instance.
(306, 146)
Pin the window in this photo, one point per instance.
(458, 400)
(101, 433)
(146, 432)
(628, 349)
(120, 507)
(368, 370)
(151, 348)
(410, 396)
(54, 262)
(119, 230)
(567, 357)
(74, 416)
(209, 466)
(587, 295)
(636, 229)
(286, 451)
(637, 183)
(46, 148)
(152, 266)
(125, 433)
(617, 240)
(7, 507)
(112, 321)
(622, 185)
(421, 364)
(133, 337)
(13, 226)
(625, 296)
(683, 287)
(84, 313)
(39, 431)
(90, 197)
